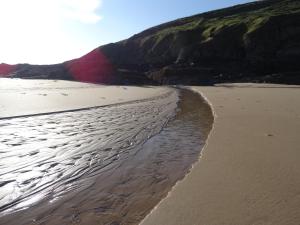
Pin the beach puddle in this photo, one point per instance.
(105, 165)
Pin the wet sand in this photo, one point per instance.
(249, 170)
(101, 165)
(26, 97)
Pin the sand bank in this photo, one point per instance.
(249, 170)
(24, 97)
(104, 165)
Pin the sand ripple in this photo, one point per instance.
(50, 155)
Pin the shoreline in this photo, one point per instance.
(242, 175)
(138, 178)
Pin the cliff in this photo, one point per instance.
(257, 42)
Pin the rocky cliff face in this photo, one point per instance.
(258, 41)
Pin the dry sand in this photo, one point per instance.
(25, 97)
(249, 171)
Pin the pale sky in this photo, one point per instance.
(53, 31)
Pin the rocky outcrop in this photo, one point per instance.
(258, 41)
(56, 71)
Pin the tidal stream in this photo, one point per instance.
(104, 165)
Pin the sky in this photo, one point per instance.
(54, 31)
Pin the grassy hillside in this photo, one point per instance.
(244, 42)
(258, 41)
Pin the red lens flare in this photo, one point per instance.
(6, 69)
(93, 67)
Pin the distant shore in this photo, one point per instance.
(250, 167)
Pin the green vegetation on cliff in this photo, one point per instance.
(257, 41)
(212, 22)
(240, 42)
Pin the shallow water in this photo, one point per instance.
(107, 165)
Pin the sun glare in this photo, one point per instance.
(34, 31)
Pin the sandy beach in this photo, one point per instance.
(27, 97)
(249, 170)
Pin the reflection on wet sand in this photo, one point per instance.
(108, 165)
